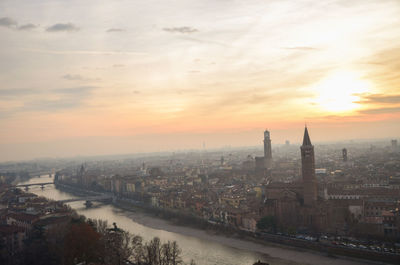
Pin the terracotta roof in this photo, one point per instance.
(23, 217)
(53, 220)
(9, 229)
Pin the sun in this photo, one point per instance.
(340, 91)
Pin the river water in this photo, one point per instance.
(204, 248)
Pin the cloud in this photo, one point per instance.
(380, 110)
(67, 98)
(59, 27)
(301, 48)
(11, 23)
(78, 78)
(82, 90)
(29, 26)
(274, 94)
(72, 77)
(115, 30)
(84, 52)
(383, 68)
(7, 22)
(57, 99)
(335, 117)
(52, 105)
(118, 65)
(204, 41)
(16, 92)
(380, 98)
(20, 92)
(245, 99)
(183, 30)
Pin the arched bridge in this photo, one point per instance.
(34, 184)
(26, 186)
(89, 199)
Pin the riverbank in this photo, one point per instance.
(327, 249)
(272, 250)
(274, 247)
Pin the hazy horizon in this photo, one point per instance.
(103, 151)
(113, 77)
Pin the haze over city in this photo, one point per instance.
(109, 77)
(184, 132)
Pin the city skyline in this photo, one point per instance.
(86, 78)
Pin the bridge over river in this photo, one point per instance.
(26, 186)
(87, 199)
(101, 197)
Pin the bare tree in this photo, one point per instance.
(166, 257)
(117, 246)
(101, 226)
(152, 252)
(137, 249)
(176, 254)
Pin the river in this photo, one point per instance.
(204, 248)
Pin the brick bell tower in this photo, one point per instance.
(308, 171)
(267, 149)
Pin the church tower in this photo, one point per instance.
(344, 154)
(308, 170)
(267, 149)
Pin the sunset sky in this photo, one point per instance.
(86, 77)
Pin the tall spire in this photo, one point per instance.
(306, 138)
(310, 189)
